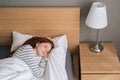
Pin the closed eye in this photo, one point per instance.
(47, 48)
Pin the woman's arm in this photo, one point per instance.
(35, 63)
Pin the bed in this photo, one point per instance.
(42, 21)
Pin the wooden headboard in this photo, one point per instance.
(42, 21)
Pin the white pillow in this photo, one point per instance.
(56, 61)
(60, 49)
(19, 39)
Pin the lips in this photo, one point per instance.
(43, 52)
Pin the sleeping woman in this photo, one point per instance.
(34, 52)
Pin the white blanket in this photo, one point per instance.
(15, 69)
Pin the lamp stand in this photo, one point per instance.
(97, 47)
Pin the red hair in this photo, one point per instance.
(32, 41)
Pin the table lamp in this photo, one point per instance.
(97, 19)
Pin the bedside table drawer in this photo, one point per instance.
(101, 77)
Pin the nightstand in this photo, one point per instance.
(105, 66)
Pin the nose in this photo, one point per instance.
(45, 51)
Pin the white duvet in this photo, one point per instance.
(15, 69)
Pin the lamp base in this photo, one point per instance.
(96, 48)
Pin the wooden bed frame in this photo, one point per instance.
(42, 21)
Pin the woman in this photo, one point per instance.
(34, 52)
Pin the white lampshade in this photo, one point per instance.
(97, 16)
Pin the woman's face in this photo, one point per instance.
(43, 49)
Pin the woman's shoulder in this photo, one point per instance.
(24, 50)
(26, 46)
